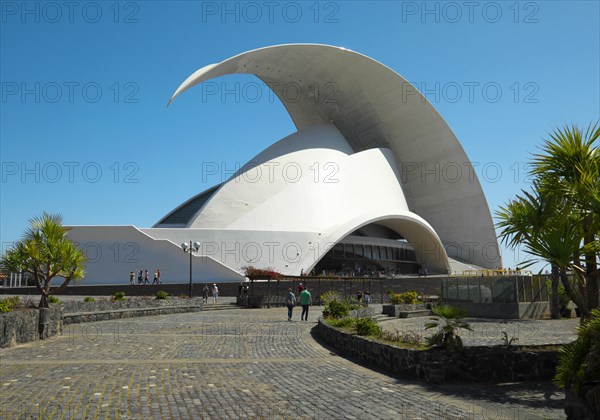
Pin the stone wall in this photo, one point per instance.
(394, 310)
(26, 325)
(508, 310)
(105, 304)
(472, 364)
(77, 317)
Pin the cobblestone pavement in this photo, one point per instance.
(231, 364)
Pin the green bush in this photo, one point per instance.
(367, 326)
(346, 322)
(7, 304)
(161, 294)
(89, 299)
(579, 361)
(406, 297)
(336, 309)
(119, 296)
(329, 296)
(53, 299)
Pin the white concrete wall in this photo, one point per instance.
(114, 251)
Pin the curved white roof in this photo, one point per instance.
(374, 107)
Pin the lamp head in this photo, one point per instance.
(185, 246)
(196, 246)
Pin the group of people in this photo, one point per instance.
(363, 297)
(243, 290)
(305, 301)
(144, 277)
(206, 291)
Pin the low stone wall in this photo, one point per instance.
(77, 317)
(472, 364)
(127, 303)
(26, 325)
(105, 310)
(260, 301)
(394, 310)
(508, 310)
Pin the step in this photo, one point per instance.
(218, 306)
(414, 314)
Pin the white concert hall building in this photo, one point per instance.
(396, 193)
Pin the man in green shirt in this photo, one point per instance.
(305, 301)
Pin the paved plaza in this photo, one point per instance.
(238, 363)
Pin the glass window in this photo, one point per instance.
(358, 251)
(338, 251)
(368, 252)
(397, 254)
(376, 255)
(349, 251)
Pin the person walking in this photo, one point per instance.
(146, 280)
(215, 292)
(300, 289)
(132, 278)
(290, 300)
(205, 294)
(141, 277)
(158, 275)
(305, 301)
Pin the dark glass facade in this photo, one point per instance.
(352, 259)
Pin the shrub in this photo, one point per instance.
(119, 296)
(89, 299)
(367, 326)
(346, 322)
(253, 272)
(329, 296)
(336, 309)
(408, 337)
(406, 297)
(53, 299)
(161, 294)
(8, 304)
(579, 361)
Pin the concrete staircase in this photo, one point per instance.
(219, 306)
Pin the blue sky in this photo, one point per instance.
(85, 131)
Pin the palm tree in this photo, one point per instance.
(569, 166)
(46, 253)
(448, 321)
(558, 221)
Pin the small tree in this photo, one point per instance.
(448, 321)
(46, 253)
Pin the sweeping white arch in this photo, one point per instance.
(375, 108)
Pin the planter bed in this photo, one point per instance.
(471, 364)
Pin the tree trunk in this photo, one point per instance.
(591, 268)
(44, 301)
(554, 313)
(575, 295)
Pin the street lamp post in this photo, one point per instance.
(191, 247)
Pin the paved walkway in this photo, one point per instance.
(231, 364)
